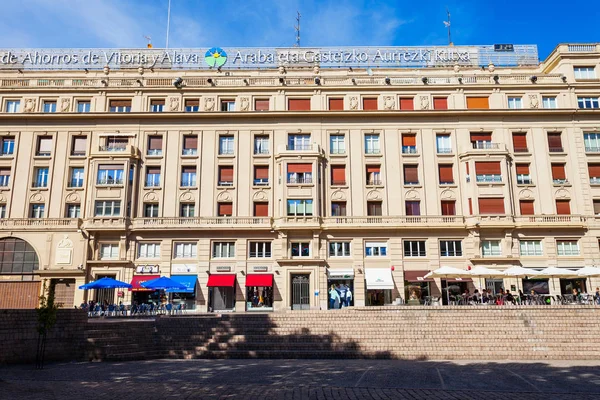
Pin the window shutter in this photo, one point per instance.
(261, 172)
(526, 207)
(299, 168)
(558, 171)
(467, 165)
(413, 208)
(336, 104)
(491, 205)
(79, 144)
(190, 142)
(261, 105)
(152, 170)
(407, 103)
(448, 207)
(192, 103)
(188, 170)
(470, 206)
(261, 209)
(374, 208)
(4, 171)
(370, 103)
(45, 144)
(120, 103)
(563, 207)
(522, 169)
(155, 143)
(446, 175)
(409, 139)
(478, 103)
(157, 102)
(226, 173)
(554, 142)
(440, 103)
(487, 168)
(225, 209)
(338, 174)
(519, 141)
(481, 136)
(373, 169)
(411, 174)
(594, 170)
(299, 104)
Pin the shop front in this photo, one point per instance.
(539, 286)
(416, 287)
(259, 292)
(379, 284)
(342, 281)
(221, 292)
(184, 298)
(103, 296)
(141, 295)
(452, 288)
(568, 285)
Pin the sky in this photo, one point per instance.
(270, 23)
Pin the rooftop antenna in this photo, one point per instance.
(297, 28)
(168, 24)
(447, 24)
(149, 39)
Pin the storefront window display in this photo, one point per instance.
(141, 295)
(259, 292)
(221, 292)
(567, 286)
(379, 286)
(539, 286)
(416, 287)
(185, 298)
(341, 281)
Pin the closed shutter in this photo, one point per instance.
(299, 168)
(448, 207)
(491, 206)
(45, 144)
(470, 206)
(440, 103)
(190, 142)
(155, 143)
(4, 171)
(409, 140)
(188, 170)
(261, 172)
(467, 165)
(338, 174)
(261, 209)
(478, 103)
(554, 142)
(481, 136)
(152, 170)
(369, 103)
(520, 141)
(526, 207)
(413, 208)
(411, 174)
(446, 175)
(522, 169)
(79, 144)
(226, 174)
(120, 103)
(192, 103)
(558, 171)
(261, 105)
(299, 104)
(373, 169)
(487, 167)
(336, 104)
(407, 103)
(157, 102)
(225, 209)
(374, 208)
(563, 207)
(594, 170)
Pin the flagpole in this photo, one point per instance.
(168, 24)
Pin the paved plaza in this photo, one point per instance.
(304, 379)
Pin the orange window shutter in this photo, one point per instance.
(446, 175)
(299, 168)
(190, 142)
(558, 171)
(261, 209)
(554, 141)
(594, 170)
(448, 207)
(411, 174)
(261, 105)
(225, 209)
(299, 104)
(226, 174)
(470, 206)
(487, 168)
(440, 103)
(478, 103)
(338, 174)
(336, 104)
(261, 172)
(373, 169)
(563, 207)
(522, 169)
(409, 139)
(481, 137)
(192, 102)
(370, 103)
(407, 103)
(526, 207)
(491, 206)
(519, 141)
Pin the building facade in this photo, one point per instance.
(259, 188)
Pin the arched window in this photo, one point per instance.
(17, 257)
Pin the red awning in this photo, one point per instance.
(137, 280)
(260, 280)
(416, 276)
(222, 280)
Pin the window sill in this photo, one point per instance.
(77, 157)
(188, 187)
(451, 154)
(154, 156)
(121, 186)
(225, 155)
(411, 154)
(339, 186)
(225, 186)
(449, 185)
(373, 154)
(37, 157)
(76, 188)
(523, 153)
(501, 183)
(566, 184)
(189, 156)
(152, 187)
(340, 155)
(412, 185)
(39, 188)
(557, 153)
(261, 155)
(300, 184)
(380, 186)
(525, 185)
(261, 186)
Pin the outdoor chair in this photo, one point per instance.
(97, 310)
(569, 299)
(110, 311)
(169, 308)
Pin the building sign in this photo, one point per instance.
(251, 58)
(184, 269)
(146, 269)
(223, 269)
(260, 269)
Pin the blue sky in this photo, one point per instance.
(270, 23)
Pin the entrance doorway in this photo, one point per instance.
(222, 298)
(105, 295)
(301, 292)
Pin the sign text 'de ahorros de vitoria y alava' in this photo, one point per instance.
(249, 58)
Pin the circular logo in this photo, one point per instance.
(215, 57)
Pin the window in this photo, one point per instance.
(228, 105)
(12, 106)
(120, 106)
(490, 248)
(187, 210)
(115, 143)
(49, 106)
(152, 177)
(555, 143)
(150, 210)
(300, 249)
(84, 106)
(526, 207)
(549, 102)
(2, 210)
(107, 208)
(336, 104)
(223, 250)
(594, 173)
(448, 207)
(515, 102)
(154, 145)
(149, 250)
(185, 250)
(76, 177)
(225, 144)
(523, 176)
(261, 144)
(299, 104)
(8, 145)
(440, 103)
(482, 140)
(299, 173)
(443, 144)
(17, 256)
(259, 249)
(109, 251)
(261, 104)
(592, 142)
(559, 176)
(44, 146)
(373, 175)
(563, 207)
(567, 247)
(339, 249)
(157, 105)
(530, 247)
(73, 211)
(446, 174)
(224, 209)
(587, 102)
(451, 248)
(374, 208)
(299, 142)
(372, 144)
(584, 72)
(261, 175)
(226, 175)
(79, 146)
(337, 144)
(338, 208)
(478, 103)
(188, 176)
(4, 177)
(369, 103)
(338, 174)
(488, 171)
(37, 210)
(596, 204)
(412, 208)
(494, 205)
(407, 103)
(110, 175)
(520, 142)
(409, 143)
(261, 209)
(190, 145)
(376, 249)
(414, 248)
(192, 105)
(41, 177)
(300, 208)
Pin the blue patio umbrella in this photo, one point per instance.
(105, 283)
(163, 283)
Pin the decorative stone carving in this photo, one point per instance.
(151, 196)
(562, 194)
(456, 68)
(354, 103)
(412, 194)
(244, 104)
(209, 104)
(448, 194)
(491, 67)
(224, 196)
(64, 251)
(173, 103)
(316, 70)
(260, 196)
(65, 243)
(37, 198)
(65, 104)
(424, 102)
(525, 194)
(281, 69)
(106, 70)
(29, 105)
(389, 103)
(186, 197)
(141, 70)
(374, 195)
(338, 195)
(73, 197)
(534, 101)
(2, 198)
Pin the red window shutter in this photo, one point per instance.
(522, 169)
(467, 164)
(373, 168)
(226, 173)
(487, 168)
(336, 104)
(338, 174)
(413, 208)
(554, 142)
(481, 137)
(558, 171)
(449, 207)
(411, 174)
(299, 168)
(261, 209)
(520, 142)
(261, 172)
(470, 206)
(225, 209)
(526, 207)
(190, 142)
(563, 207)
(409, 139)
(491, 205)
(120, 103)
(370, 103)
(594, 170)
(261, 105)
(446, 175)
(440, 103)
(155, 142)
(299, 104)
(407, 103)
(374, 208)
(478, 103)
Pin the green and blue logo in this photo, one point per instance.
(215, 57)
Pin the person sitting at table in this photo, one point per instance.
(476, 296)
(521, 298)
(597, 296)
(509, 297)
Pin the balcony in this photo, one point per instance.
(300, 181)
(297, 222)
(106, 223)
(42, 224)
(556, 149)
(409, 149)
(543, 221)
(308, 149)
(592, 149)
(379, 222)
(483, 148)
(116, 150)
(488, 178)
(189, 152)
(201, 222)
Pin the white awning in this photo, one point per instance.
(379, 278)
(346, 273)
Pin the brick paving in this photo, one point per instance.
(304, 379)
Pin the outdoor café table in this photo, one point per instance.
(545, 299)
